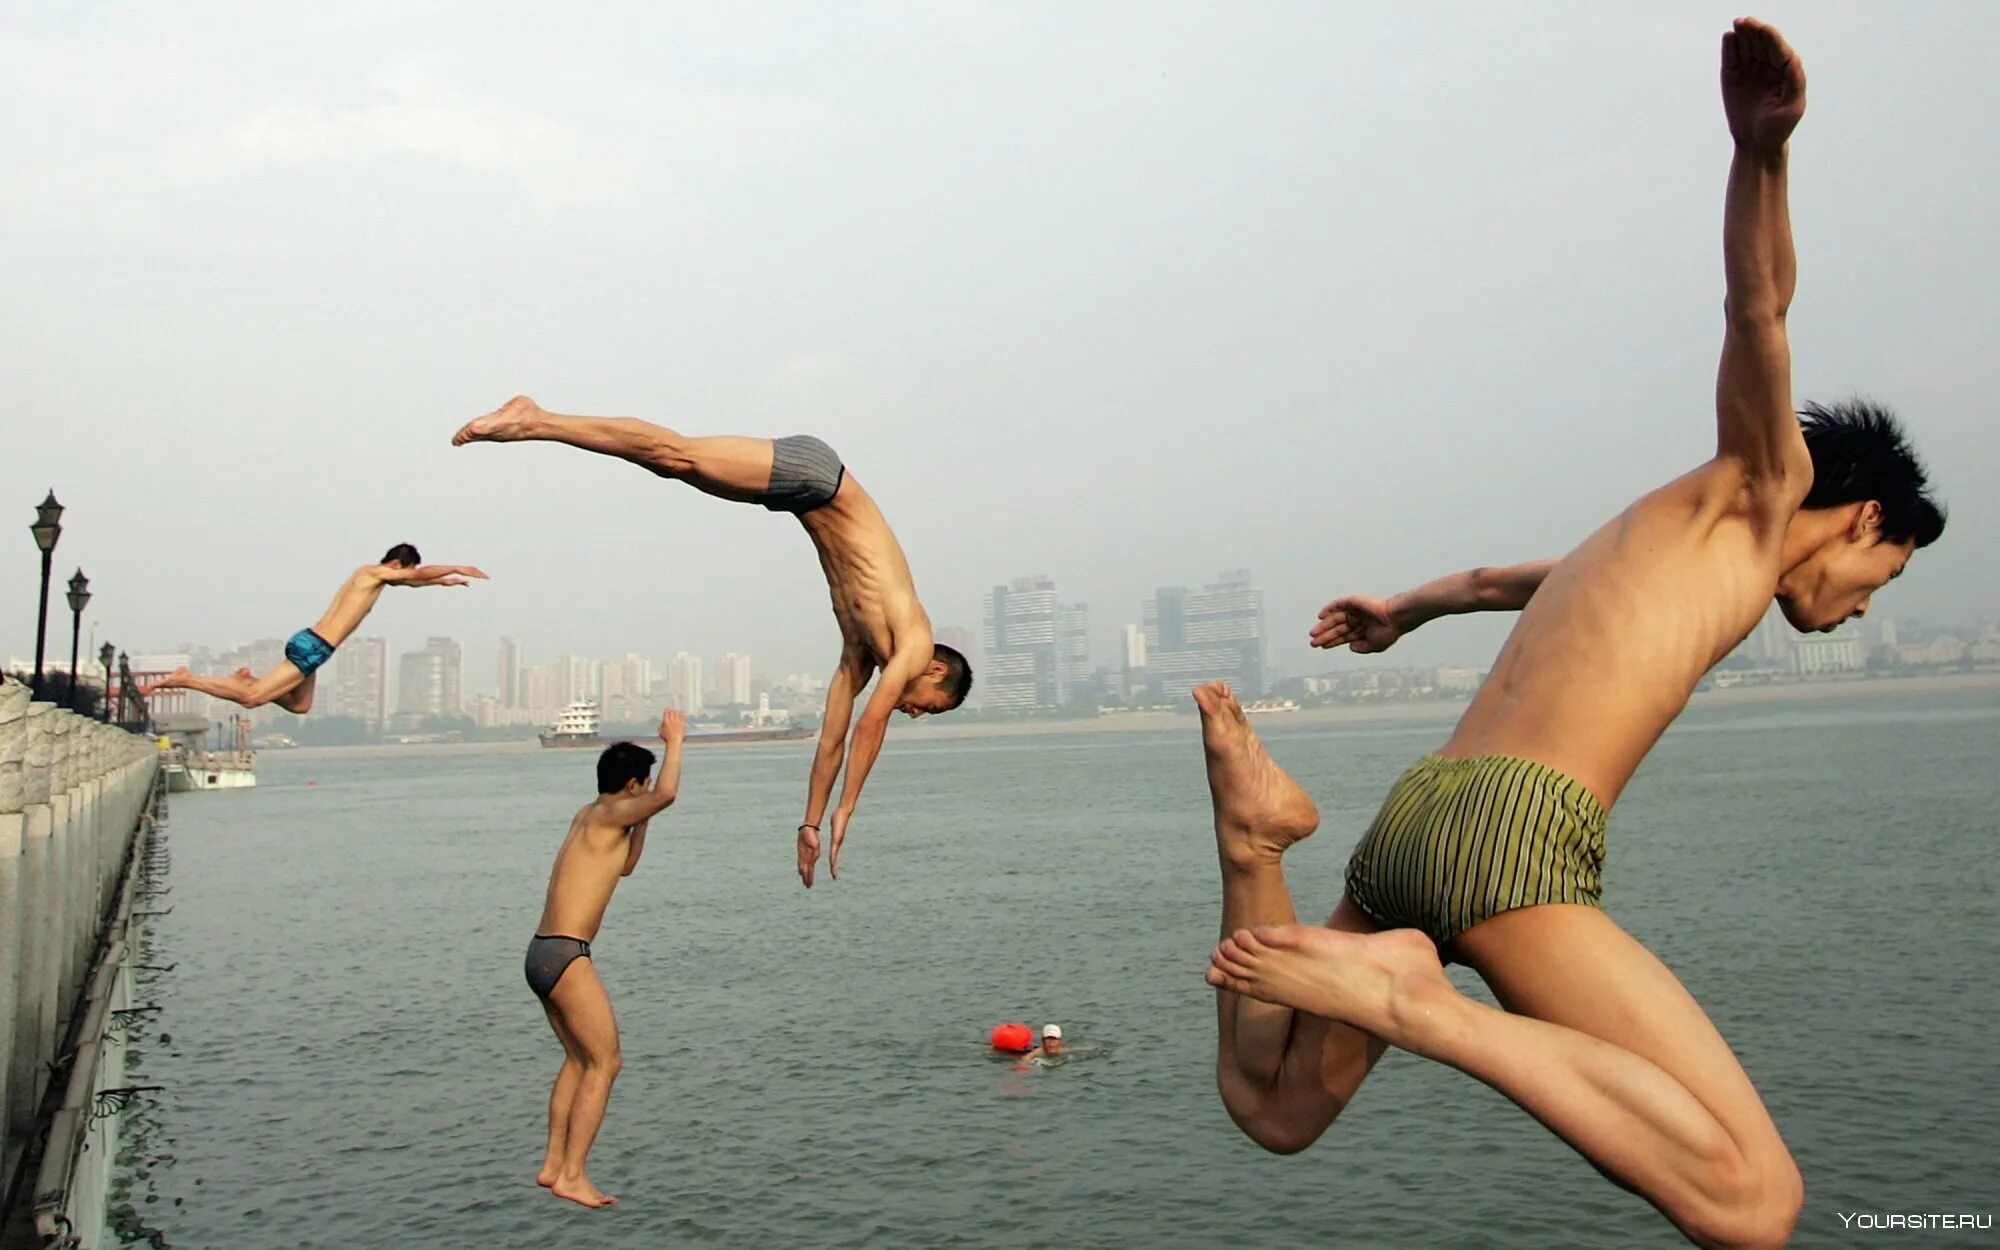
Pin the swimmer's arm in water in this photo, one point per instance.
(869, 732)
(849, 677)
(1366, 624)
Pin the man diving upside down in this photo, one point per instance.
(1489, 851)
(883, 626)
(291, 684)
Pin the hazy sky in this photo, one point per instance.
(1125, 294)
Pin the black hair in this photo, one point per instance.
(957, 681)
(622, 762)
(403, 554)
(1859, 453)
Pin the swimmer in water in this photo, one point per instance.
(883, 627)
(604, 842)
(291, 684)
(1488, 852)
(1052, 1044)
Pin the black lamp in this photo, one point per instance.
(46, 529)
(79, 594)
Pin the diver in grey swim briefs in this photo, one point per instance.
(883, 626)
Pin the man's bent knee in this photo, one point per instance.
(1758, 1207)
(1279, 1125)
(1279, 1134)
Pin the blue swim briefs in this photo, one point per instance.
(307, 651)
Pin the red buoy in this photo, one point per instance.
(1013, 1037)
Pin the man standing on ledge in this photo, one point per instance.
(883, 627)
(1489, 851)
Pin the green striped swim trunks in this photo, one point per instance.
(1459, 841)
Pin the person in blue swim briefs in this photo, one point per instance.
(290, 685)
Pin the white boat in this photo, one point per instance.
(211, 771)
(1261, 706)
(579, 722)
(576, 727)
(188, 763)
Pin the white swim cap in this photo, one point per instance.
(1051, 1030)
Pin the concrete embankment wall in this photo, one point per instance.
(71, 796)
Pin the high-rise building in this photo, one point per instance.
(1132, 672)
(431, 682)
(1024, 663)
(611, 681)
(510, 674)
(1073, 653)
(580, 679)
(732, 680)
(419, 684)
(1773, 639)
(451, 658)
(359, 680)
(1135, 647)
(638, 676)
(541, 688)
(684, 683)
(1215, 633)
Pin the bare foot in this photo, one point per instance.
(1259, 809)
(546, 1178)
(510, 422)
(1385, 983)
(170, 681)
(582, 1192)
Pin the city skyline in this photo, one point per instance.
(355, 683)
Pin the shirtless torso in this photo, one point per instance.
(868, 580)
(1611, 646)
(291, 683)
(1490, 855)
(885, 634)
(603, 845)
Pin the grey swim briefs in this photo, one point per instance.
(805, 474)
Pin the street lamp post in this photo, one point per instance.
(104, 656)
(79, 594)
(124, 680)
(46, 529)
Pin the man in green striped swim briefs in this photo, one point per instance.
(1488, 852)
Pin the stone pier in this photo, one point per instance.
(72, 794)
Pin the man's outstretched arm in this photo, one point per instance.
(430, 575)
(869, 733)
(642, 807)
(1366, 624)
(673, 729)
(1763, 96)
(847, 680)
